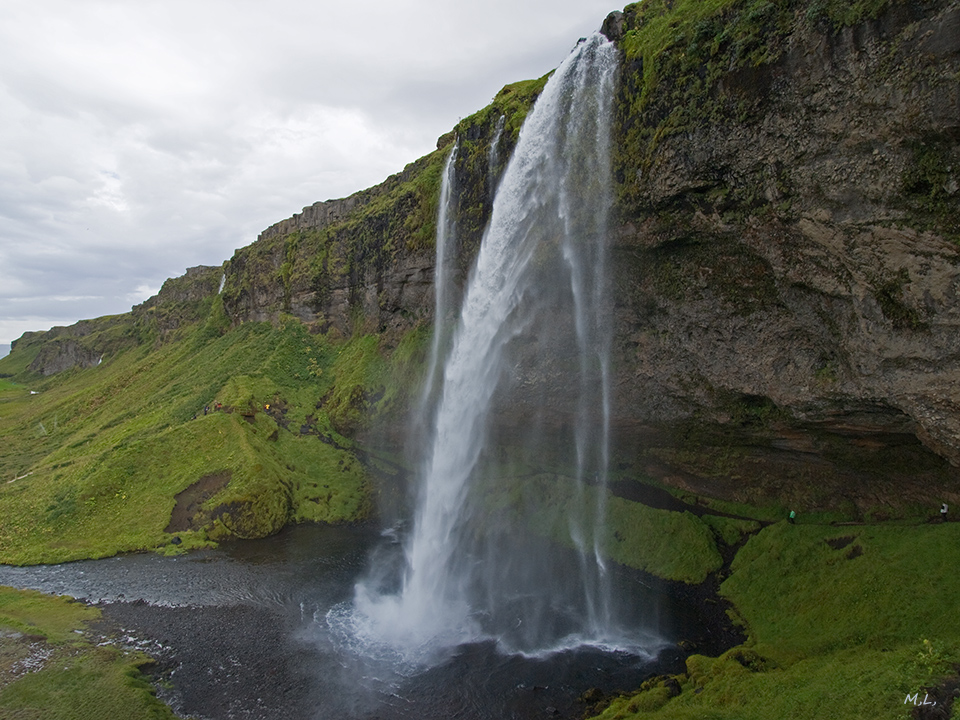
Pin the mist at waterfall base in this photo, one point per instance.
(240, 632)
(504, 546)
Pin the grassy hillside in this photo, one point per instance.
(93, 459)
(186, 420)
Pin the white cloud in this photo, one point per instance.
(141, 293)
(139, 139)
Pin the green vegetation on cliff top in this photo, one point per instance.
(683, 39)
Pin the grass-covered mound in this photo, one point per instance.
(93, 460)
(847, 622)
(52, 666)
(671, 544)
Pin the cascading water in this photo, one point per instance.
(442, 286)
(492, 154)
(515, 462)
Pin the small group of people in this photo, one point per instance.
(217, 407)
(792, 517)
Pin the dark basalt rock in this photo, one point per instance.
(612, 27)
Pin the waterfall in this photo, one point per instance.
(492, 155)
(525, 391)
(445, 241)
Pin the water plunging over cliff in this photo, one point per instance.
(517, 453)
(492, 155)
(442, 286)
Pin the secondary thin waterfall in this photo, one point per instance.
(516, 460)
(492, 155)
(445, 240)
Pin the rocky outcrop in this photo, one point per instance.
(858, 126)
(181, 301)
(787, 268)
(319, 215)
(340, 260)
(369, 258)
(613, 26)
(195, 285)
(81, 345)
(63, 354)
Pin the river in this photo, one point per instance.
(248, 631)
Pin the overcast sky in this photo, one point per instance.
(142, 137)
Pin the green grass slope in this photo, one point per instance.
(92, 460)
(849, 622)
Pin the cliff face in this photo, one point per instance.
(785, 255)
(787, 267)
(785, 251)
(343, 259)
(181, 301)
(369, 259)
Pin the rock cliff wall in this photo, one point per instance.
(785, 251)
(785, 254)
(787, 261)
(369, 259)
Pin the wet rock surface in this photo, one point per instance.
(235, 662)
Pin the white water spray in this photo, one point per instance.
(531, 348)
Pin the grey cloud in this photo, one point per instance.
(138, 139)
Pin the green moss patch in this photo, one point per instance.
(669, 544)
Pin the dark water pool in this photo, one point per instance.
(242, 632)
